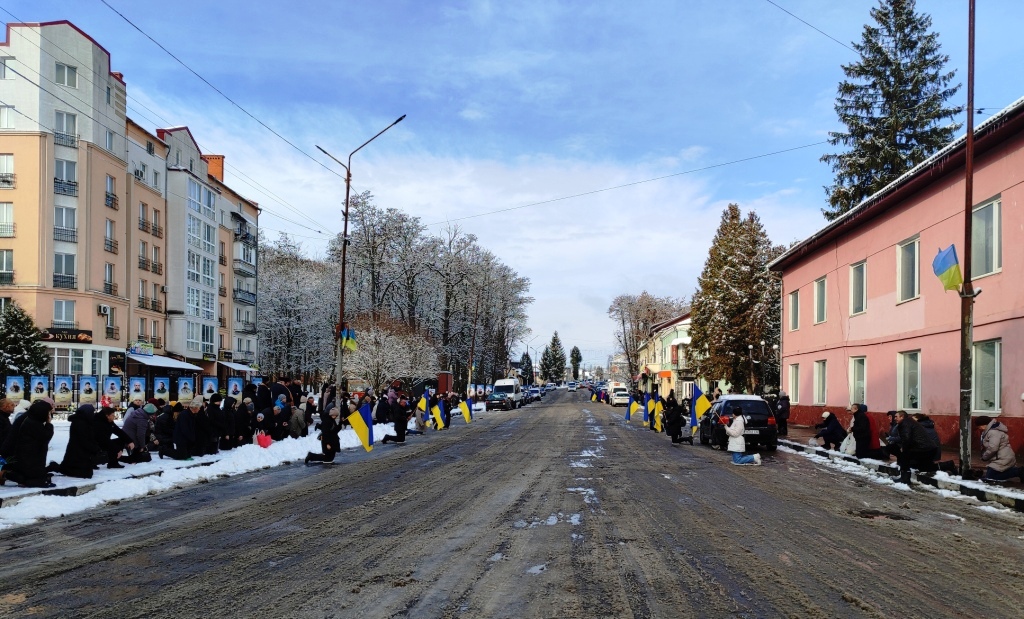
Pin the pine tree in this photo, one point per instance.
(552, 361)
(575, 359)
(21, 351)
(526, 365)
(893, 104)
(736, 305)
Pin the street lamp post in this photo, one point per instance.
(344, 247)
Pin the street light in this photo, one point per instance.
(344, 242)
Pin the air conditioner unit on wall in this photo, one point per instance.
(104, 310)
(163, 288)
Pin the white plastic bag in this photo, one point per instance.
(849, 445)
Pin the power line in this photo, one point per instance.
(811, 25)
(218, 91)
(634, 183)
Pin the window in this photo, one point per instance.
(97, 361)
(6, 261)
(195, 196)
(4, 73)
(143, 211)
(6, 117)
(109, 144)
(858, 288)
(156, 290)
(66, 123)
(794, 382)
(156, 179)
(111, 184)
(108, 95)
(142, 288)
(108, 273)
(794, 310)
(65, 170)
(194, 262)
(108, 231)
(156, 255)
(194, 228)
(209, 238)
(208, 270)
(64, 312)
(248, 254)
(64, 264)
(986, 240)
(907, 276)
(156, 218)
(858, 380)
(67, 361)
(192, 301)
(819, 300)
(6, 219)
(64, 217)
(987, 376)
(143, 249)
(208, 335)
(192, 336)
(208, 306)
(67, 76)
(209, 203)
(142, 328)
(820, 382)
(156, 329)
(908, 384)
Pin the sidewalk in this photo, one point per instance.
(1009, 494)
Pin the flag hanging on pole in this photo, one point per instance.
(466, 412)
(348, 338)
(698, 406)
(362, 422)
(629, 407)
(422, 404)
(647, 407)
(658, 408)
(947, 268)
(437, 413)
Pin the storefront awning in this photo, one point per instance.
(665, 374)
(164, 362)
(236, 366)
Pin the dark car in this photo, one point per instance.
(499, 400)
(759, 422)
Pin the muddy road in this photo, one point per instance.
(558, 510)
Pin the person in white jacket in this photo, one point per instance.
(738, 444)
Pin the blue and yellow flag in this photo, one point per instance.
(698, 406)
(422, 405)
(658, 408)
(648, 407)
(348, 339)
(629, 407)
(362, 422)
(593, 397)
(947, 268)
(466, 411)
(438, 415)
(634, 406)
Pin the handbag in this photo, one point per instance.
(263, 440)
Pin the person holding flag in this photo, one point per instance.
(398, 416)
(329, 442)
(674, 419)
(437, 413)
(467, 413)
(698, 406)
(361, 420)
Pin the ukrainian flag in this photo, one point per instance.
(593, 398)
(348, 339)
(422, 405)
(698, 406)
(438, 416)
(648, 407)
(466, 412)
(947, 268)
(633, 407)
(362, 423)
(658, 408)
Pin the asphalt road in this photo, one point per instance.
(556, 510)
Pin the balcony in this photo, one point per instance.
(65, 188)
(113, 333)
(110, 245)
(65, 139)
(243, 356)
(245, 327)
(158, 343)
(158, 231)
(142, 337)
(63, 324)
(110, 199)
(156, 305)
(65, 281)
(243, 235)
(157, 267)
(223, 322)
(144, 263)
(7, 180)
(223, 260)
(143, 303)
(68, 235)
(244, 296)
(222, 291)
(144, 225)
(6, 278)
(245, 269)
(110, 288)
(7, 230)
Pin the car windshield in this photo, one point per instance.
(503, 388)
(749, 407)
(496, 396)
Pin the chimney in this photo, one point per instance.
(215, 166)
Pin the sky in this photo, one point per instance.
(591, 146)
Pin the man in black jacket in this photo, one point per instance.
(110, 439)
(916, 447)
(329, 442)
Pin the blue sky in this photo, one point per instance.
(512, 103)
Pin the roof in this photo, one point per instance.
(988, 134)
(63, 22)
(658, 326)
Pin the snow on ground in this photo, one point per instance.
(136, 480)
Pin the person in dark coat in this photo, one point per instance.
(80, 455)
(136, 425)
(307, 412)
(282, 417)
(916, 447)
(865, 434)
(263, 422)
(228, 437)
(27, 464)
(6, 408)
(205, 433)
(782, 414)
(329, 442)
(243, 422)
(218, 423)
(264, 398)
(185, 431)
(110, 438)
(398, 415)
(929, 428)
(674, 418)
(296, 390)
(830, 431)
(163, 430)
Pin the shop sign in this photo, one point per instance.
(74, 336)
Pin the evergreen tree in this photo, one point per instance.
(893, 104)
(526, 365)
(575, 359)
(736, 305)
(552, 361)
(21, 351)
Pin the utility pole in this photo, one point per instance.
(967, 293)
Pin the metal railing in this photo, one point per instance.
(143, 262)
(7, 180)
(65, 188)
(143, 303)
(63, 324)
(222, 291)
(157, 267)
(156, 305)
(245, 327)
(245, 236)
(68, 235)
(110, 199)
(65, 281)
(223, 260)
(113, 333)
(6, 278)
(7, 230)
(110, 245)
(144, 225)
(110, 288)
(65, 139)
(243, 355)
(158, 231)
(158, 342)
(222, 322)
(243, 268)
(244, 296)
(142, 337)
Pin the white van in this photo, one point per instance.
(511, 388)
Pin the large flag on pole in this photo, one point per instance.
(437, 413)
(629, 407)
(422, 404)
(648, 407)
(947, 268)
(348, 338)
(698, 406)
(466, 412)
(658, 408)
(362, 423)
(634, 406)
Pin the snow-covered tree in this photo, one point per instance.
(736, 305)
(389, 350)
(634, 315)
(893, 104)
(21, 351)
(575, 359)
(552, 361)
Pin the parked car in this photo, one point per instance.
(757, 415)
(619, 396)
(549, 387)
(535, 394)
(497, 400)
(572, 386)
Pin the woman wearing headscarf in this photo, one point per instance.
(80, 455)
(27, 465)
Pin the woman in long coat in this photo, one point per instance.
(27, 466)
(80, 455)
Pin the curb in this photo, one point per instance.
(1014, 503)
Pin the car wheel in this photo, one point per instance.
(702, 436)
(772, 446)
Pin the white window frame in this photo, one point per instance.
(903, 399)
(794, 383)
(862, 361)
(65, 264)
(193, 267)
(63, 169)
(66, 308)
(4, 73)
(997, 405)
(6, 260)
(6, 117)
(63, 215)
(820, 382)
(996, 243)
(65, 122)
(916, 242)
(192, 336)
(820, 300)
(861, 294)
(66, 75)
(110, 140)
(794, 310)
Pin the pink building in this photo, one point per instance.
(864, 319)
